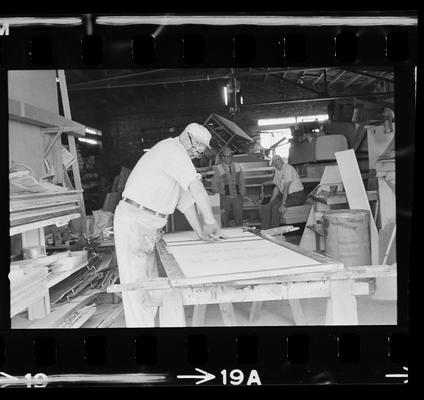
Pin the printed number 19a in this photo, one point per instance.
(236, 377)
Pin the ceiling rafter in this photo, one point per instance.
(318, 79)
(337, 78)
(354, 79)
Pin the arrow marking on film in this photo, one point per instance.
(399, 375)
(206, 376)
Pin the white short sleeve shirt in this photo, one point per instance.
(288, 174)
(161, 176)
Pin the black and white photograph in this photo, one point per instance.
(202, 197)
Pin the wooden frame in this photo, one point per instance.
(258, 286)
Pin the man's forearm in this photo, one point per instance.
(193, 219)
(202, 201)
(286, 192)
(274, 194)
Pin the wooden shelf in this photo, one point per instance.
(62, 220)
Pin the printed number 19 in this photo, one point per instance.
(237, 377)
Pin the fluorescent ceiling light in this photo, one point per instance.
(292, 120)
(276, 121)
(225, 95)
(93, 131)
(89, 141)
(309, 118)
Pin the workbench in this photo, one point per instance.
(227, 277)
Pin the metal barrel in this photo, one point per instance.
(347, 236)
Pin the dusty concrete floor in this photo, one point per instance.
(278, 313)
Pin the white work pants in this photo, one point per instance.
(135, 231)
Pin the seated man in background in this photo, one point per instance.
(228, 181)
(288, 192)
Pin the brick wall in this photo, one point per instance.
(128, 116)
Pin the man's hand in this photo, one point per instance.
(283, 209)
(211, 229)
(202, 236)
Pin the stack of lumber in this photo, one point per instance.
(27, 287)
(28, 208)
(77, 300)
(56, 263)
(112, 199)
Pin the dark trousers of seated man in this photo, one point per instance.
(234, 205)
(270, 213)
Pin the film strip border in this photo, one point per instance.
(265, 356)
(308, 355)
(100, 42)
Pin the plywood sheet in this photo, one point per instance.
(234, 257)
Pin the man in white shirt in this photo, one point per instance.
(163, 179)
(288, 192)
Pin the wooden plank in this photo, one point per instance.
(56, 277)
(183, 282)
(80, 317)
(29, 114)
(341, 305)
(297, 311)
(42, 196)
(227, 241)
(357, 273)
(61, 313)
(16, 216)
(199, 313)
(39, 206)
(173, 270)
(71, 139)
(171, 313)
(254, 310)
(112, 316)
(261, 292)
(228, 315)
(151, 284)
(61, 220)
(40, 218)
(60, 290)
(356, 193)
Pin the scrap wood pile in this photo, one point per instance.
(77, 300)
(114, 196)
(73, 278)
(99, 273)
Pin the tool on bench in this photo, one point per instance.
(217, 237)
(280, 230)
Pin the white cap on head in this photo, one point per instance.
(199, 133)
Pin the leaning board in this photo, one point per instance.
(242, 256)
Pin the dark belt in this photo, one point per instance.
(133, 203)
